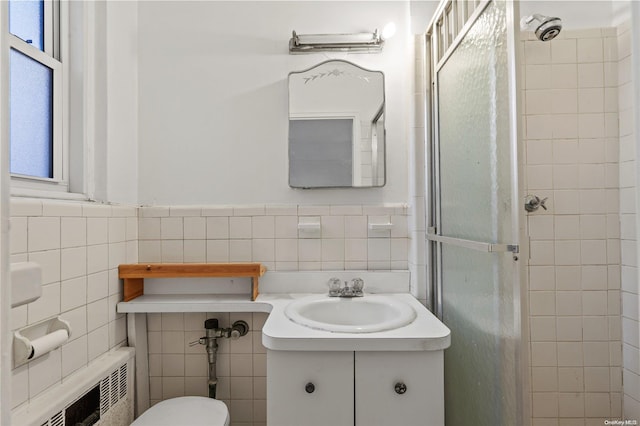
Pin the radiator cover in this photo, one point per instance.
(111, 373)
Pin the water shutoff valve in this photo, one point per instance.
(238, 329)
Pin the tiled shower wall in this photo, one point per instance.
(570, 109)
(79, 246)
(629, 271)
(267, 234)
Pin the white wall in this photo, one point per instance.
(122, 105)
(213, 98)
(421, 13)
(621, 10)
(96, 101)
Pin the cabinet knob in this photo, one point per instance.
(310, 387)
(400, 388)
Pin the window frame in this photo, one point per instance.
(54, 57)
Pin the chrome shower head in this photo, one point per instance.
(548, 28)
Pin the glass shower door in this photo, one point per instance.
(474, 222)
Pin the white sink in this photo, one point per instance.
(367, 314)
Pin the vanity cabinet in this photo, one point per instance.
(355, 388)
(310, 388)
(399, 388)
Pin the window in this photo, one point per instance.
(36, 137)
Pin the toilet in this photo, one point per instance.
(185, 411)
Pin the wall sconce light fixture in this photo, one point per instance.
(359, 42)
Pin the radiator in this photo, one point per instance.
(99, 394)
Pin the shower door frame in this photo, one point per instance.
(435, 60)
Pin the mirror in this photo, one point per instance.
(336, 127)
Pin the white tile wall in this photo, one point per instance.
(177, 369)
(416, 226)
(79, 246)
(571, 146)
(267, 234)
(628, 248)
(243, 234)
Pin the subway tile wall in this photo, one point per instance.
(263, 233)
(570, 98)
(417, 224)
(629, 271)
(176, 368)
(270, 234)
(79, 246)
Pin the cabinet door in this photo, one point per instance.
(328, 400)
(420, 402)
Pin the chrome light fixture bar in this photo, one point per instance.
(360, 42)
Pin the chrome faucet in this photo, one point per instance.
(337, 290)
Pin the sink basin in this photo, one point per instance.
(367, 314)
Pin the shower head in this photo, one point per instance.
(548, 28)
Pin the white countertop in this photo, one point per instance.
(425, 333)
(154, 303)
(232, 294)
(278, 289)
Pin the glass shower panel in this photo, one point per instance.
(475, 203)
(480, 382)
(474, 134)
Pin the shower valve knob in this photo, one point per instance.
(544, 200)
(533, 203)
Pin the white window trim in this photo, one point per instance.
(51, 29)
(56, 57)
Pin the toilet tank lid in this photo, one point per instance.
(199, 410)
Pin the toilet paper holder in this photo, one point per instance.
(38, 339)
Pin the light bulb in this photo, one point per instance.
(388, 31)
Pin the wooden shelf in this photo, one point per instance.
(134, 274)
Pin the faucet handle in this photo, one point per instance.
(357, 284)
(335, 284)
